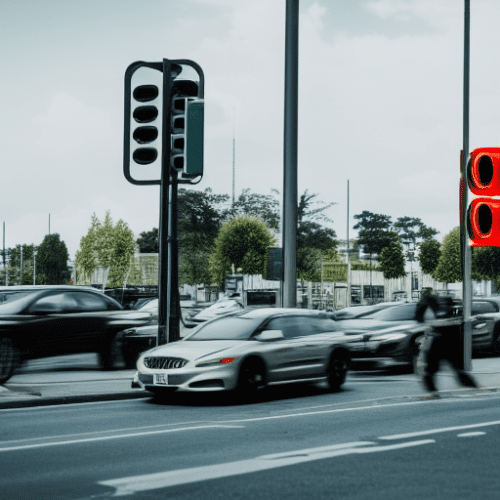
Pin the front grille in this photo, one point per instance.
(158, 363)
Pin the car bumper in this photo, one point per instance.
(192, 379)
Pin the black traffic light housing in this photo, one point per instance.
(164, 122)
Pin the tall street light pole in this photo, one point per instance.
(290, 155)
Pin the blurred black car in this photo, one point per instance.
(394, 333)
(50, 320)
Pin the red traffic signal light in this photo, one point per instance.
(483, 215)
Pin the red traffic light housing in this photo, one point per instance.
(483, 215)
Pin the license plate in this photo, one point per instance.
(161, 379)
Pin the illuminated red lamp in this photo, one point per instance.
(483, 215)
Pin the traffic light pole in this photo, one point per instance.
(466, 257)
(164, 261)
(174, 319)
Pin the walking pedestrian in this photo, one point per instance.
(441, 341)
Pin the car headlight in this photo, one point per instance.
(215, 362)
(480, 325)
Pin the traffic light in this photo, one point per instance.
(187, 115)
(483, 214)
(163, 121)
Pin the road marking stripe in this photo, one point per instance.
(437, 431)
(129, 485)
(119, 436)
(471, 434)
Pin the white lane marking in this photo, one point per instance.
(437, 431)
(119, 436)
(471, 434)
(71, 406)
(130, 485)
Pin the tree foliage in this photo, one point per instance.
(148, 241)
(430, 251)
(449, 268)
(263, 206)
(108, 246)
(375, 232)
(411, 230)
(392, 261)
(486, 264)
(20, 269)
(242, 242)
(52, 261)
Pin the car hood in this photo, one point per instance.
(193, 349)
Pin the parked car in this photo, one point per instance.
(359, 311)
(248, 351)
(49, 320)
(486, 339)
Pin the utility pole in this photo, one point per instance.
(466, 257)
(234, 149)
(290, 155)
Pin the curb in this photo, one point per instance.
(88, 398)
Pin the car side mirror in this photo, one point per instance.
(268, 335)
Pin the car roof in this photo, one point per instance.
(48, 287)
(265, 312)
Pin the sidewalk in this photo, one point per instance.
(69, 382)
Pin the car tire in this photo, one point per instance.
(251, 379)
(108, 354)
(337, 370)
(9, 359)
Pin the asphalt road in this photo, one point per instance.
(378, 438)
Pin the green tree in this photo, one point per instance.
(148, 241)
(15, 265)
(430, 251)
(265, 207)
(392, 261)
(315, 242)
(52, 261)
(449, 268)
(486, 264)
(107, 246)
(411, 230)
(242, 242)
(375, 232)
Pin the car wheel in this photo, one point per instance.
(9, 358)
(251, 379)
(495, 341)
(108, 354)
(337, 370)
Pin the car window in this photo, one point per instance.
(292, 326)
(404, 312)
(90, 302)
(483, 307)
(14, 302)
(55, 303)
(226, 328)
(324, 325)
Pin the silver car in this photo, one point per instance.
(248, 351)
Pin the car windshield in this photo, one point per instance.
(404, 312)
(13, 302)
(228, 328)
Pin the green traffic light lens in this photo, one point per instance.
(145, 114)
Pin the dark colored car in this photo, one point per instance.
(394, 332)
(487, 309)
(41, 321)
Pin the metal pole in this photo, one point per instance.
(173, 325)
(290, 155)
(163, 270)
(348, 302)
(34, 267)
(234, 149)
(466, 279)
(21, 267)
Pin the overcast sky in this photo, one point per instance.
(380, 104)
